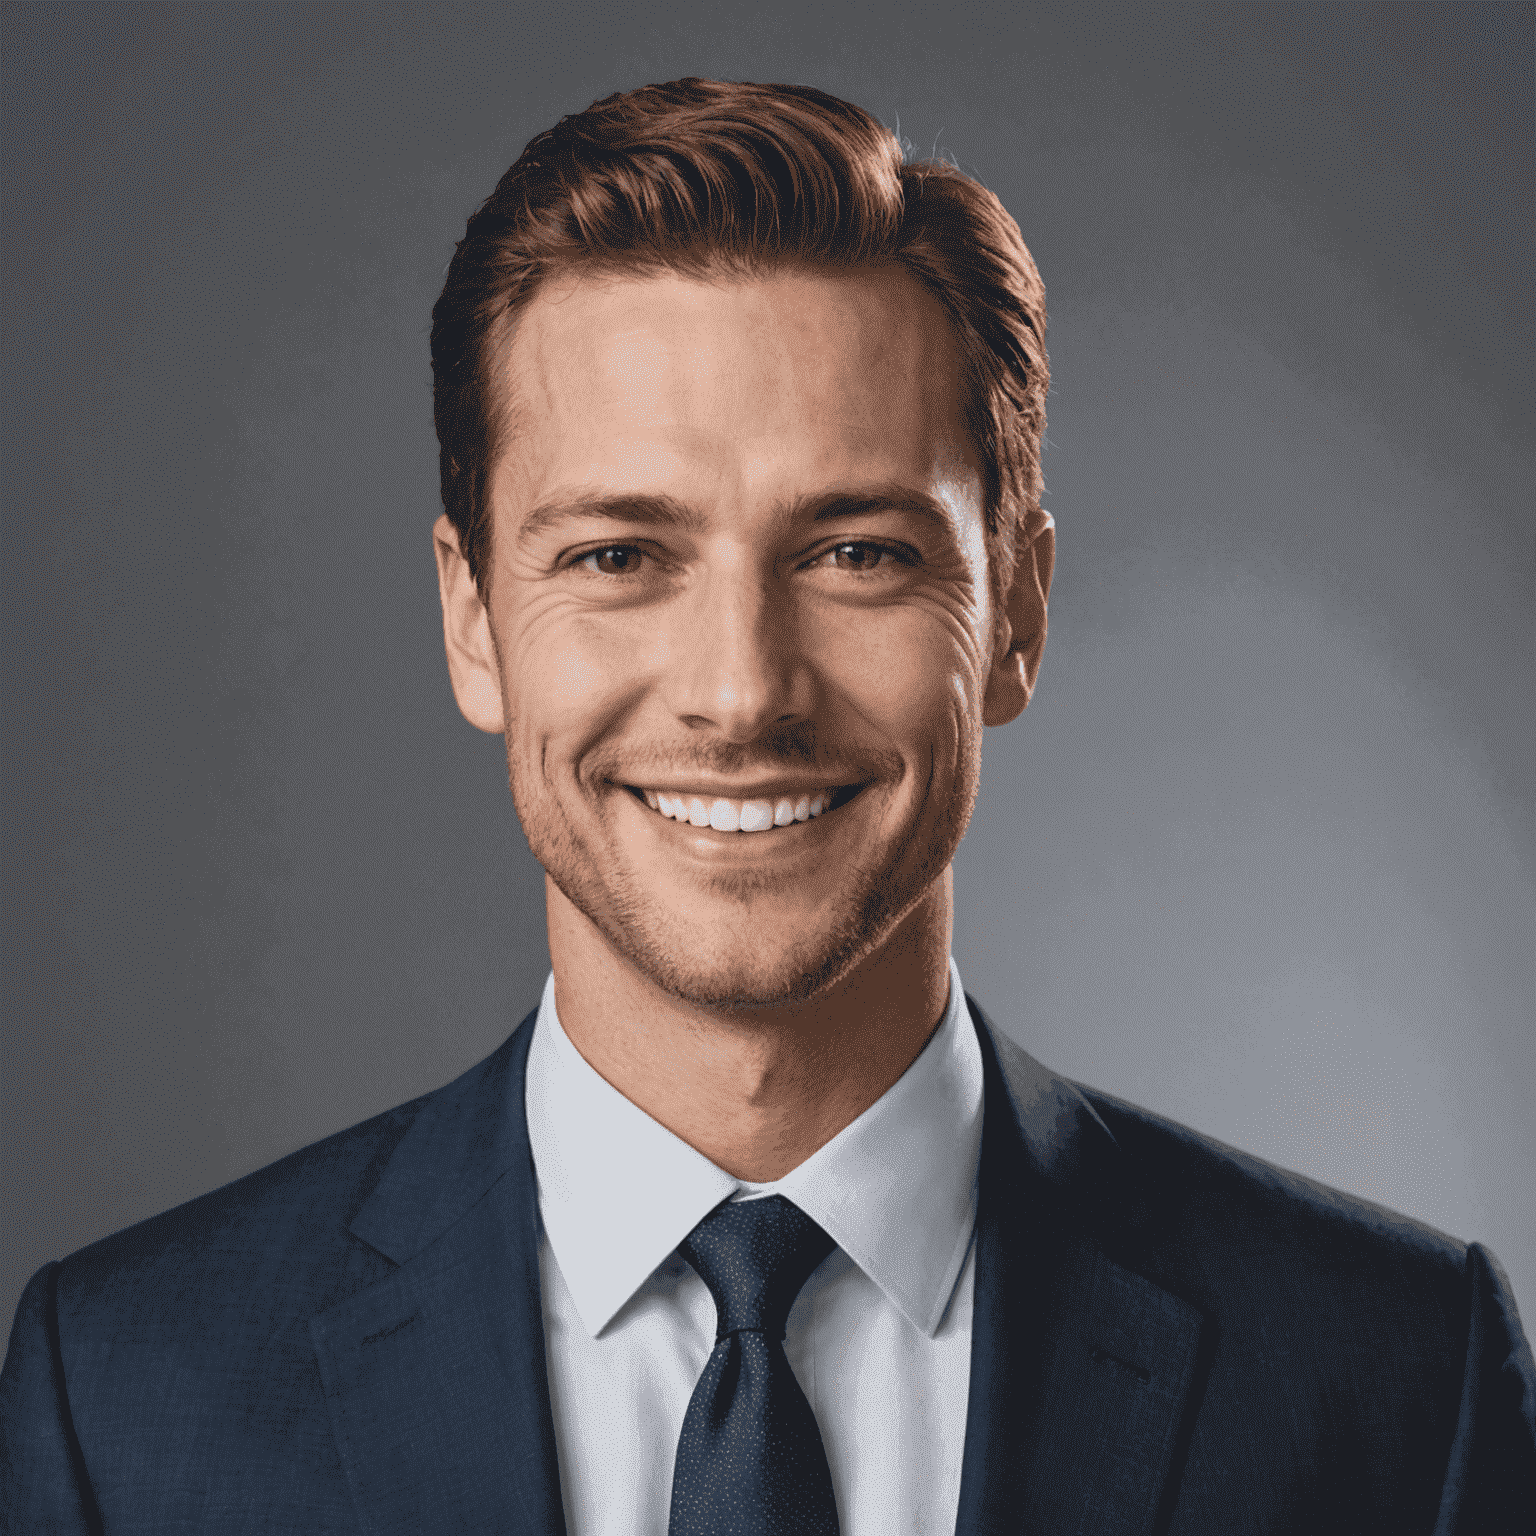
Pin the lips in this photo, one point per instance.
(750, 815)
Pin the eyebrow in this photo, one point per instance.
(659, 511)
(866, 501)
(647, 511)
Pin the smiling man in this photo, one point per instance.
(740, 634)
(757, 1224)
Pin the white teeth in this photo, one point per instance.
(756, 816)
(737, 815)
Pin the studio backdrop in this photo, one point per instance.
(1259, 854)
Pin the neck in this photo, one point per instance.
(756, 1092)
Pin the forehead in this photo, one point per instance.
(774, 385)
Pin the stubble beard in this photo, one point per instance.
(735, 975)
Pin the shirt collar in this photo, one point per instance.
(896, 1188)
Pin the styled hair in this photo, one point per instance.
(710, 178)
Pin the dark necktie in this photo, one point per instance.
(750, 1461)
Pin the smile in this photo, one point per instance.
(745, 815)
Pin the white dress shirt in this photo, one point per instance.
(879, 1337)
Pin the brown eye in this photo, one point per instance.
(858, 557)
(616, 560)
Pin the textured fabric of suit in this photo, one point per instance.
(1338, 1347)
(1169, 1336)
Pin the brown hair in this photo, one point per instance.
(704, 177)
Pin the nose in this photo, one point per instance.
(736, 665)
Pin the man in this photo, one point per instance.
(757, 1224)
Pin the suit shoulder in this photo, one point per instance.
(1329, 1309)
(1195, 1183)
(283, 1233)
(284, 1220)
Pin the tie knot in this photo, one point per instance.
(754, 1255)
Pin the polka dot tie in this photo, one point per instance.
(750, 1461)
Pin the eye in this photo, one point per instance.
(614, 560)
(860, 558)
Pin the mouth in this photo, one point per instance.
(758, 814)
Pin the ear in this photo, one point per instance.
(472, 664)
(1021, 637)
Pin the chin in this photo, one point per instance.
(735, 967)
(745, 980)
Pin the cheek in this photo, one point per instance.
(912, 676)
(579, 664)
(567, 676)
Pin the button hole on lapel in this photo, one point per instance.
(384, 1333)
(1103, 1357)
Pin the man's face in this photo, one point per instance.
(740, 578)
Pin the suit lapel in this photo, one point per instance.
(1080, 1368)
(434, 1376)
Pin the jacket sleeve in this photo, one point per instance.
(43, 1485)
(1490, 1481)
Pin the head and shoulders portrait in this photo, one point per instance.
(764, 1218)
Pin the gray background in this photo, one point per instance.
(1260, 854)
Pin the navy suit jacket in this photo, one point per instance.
(1168, 1337)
